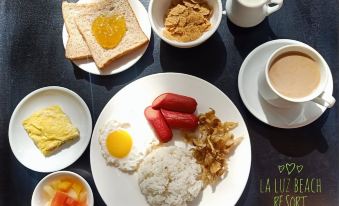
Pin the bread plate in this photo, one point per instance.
(24, 148)
(124, 62)
(118, 188)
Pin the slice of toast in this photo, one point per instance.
(134, 37)
(76, 47)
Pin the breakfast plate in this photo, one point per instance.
(24, 148)
(294, 117)
(128, 105)
(122, 63)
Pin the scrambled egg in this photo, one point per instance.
(49, 128)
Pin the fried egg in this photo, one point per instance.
(123, 145)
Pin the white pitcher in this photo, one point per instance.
(248, 13)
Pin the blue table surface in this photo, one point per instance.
(32, 56)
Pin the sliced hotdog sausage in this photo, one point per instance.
(180, 120)
(159, 124)
(175, 102)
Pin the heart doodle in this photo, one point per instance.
(290, 168)
(281, 168)
(300, 168)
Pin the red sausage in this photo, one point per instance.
(175, 102)
(159, 124)
(180, 120)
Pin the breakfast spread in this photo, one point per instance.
(49, 129)
(168, 173)
(65, 192)
(109, 29)
(187, 20)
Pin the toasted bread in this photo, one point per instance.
(76, 47)
(133, 38)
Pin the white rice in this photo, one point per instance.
(168, 176)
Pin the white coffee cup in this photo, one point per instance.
(318, 95)
(248, 13)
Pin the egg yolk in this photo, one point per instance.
(119, 143)
(109, 30)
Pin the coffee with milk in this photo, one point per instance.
(294, 74)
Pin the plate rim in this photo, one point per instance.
(24, 100)
(205, 82)
(142, 49)
(241, 89)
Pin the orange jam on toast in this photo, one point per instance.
(109, 30)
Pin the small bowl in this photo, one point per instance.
(157, 10)
(38, 197)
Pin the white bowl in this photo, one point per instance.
(38, 197)
(157, 10)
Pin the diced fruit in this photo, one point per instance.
(62, 199)
(48, 203)
(55, 184)
(180, 120)
(64, 185)
(77, 187)
(71, 202)
(66, 192)
(175, 102)
(83, 196)
(59, 199)
(71, 193)
(49, 191)
(159, 124)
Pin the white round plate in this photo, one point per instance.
(249, 72)
(24, 148)
(122, 63)
(118, 188)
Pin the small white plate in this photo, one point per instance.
(118, 188)
(24, 148)
(249, 72)
(38, 197)
(122, 63)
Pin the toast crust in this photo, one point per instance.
(76, 47)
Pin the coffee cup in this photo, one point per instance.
(248, 13)
(295, 74)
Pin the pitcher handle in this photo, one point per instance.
(272, 9)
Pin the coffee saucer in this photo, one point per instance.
(298, 116)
